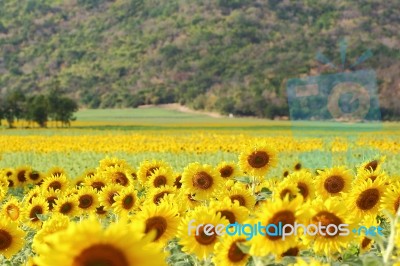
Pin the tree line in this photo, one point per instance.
(37, 108)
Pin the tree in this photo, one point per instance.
(65, 111)
(13, 107)
(38, 110)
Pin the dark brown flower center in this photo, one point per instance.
(286, 192)
(368, 199)
(203, 239)
(258, 159)
(100, 210)
(372, 165)
(239, 198)
(101, 255)
(177, 182)
(229, 215)
(334, 184)
(226, 171)
(158, 197)
(202, 180)
(51, 200)
(396, 204)
(327, 219)
(21, 176)
(33, 213)
(151, 170)
(10, 183)
(120, 178)
(5, 239)
(157, 223)
(111, 196)
(9, 173)
(66, 208)
(297, 167)
(160, 181)
(98, 185)
(55, 185)
(234, 252)
(365, 242)
(285, 174)
(85, 201)
(293, 252)
(34, 175)
(303, 189)
(128, 202)
(285, 217)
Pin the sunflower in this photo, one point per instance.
(33, 193)
(8, 174)
(232, 211)
(364, 242)
(146, 168)
(51, 196)
(3, 192)
(271, 215)
(56, 171)
(227, 251)
(304, 181)
(118, 175)
(88, 243)
(257, 160)
(161, 177)
(19, 175)
(286, 189)
(38, 206)
(228, 169)
(107, 195)
(11, 209)
(332, 182)
(293, 251)
(155, 195)
(372, 165)
(55, 223)
(241, 195)
(101, 211)
(297, 166)
(87, 199)
(97, 182)
(373, 175)
(125, 202)
(11, 238)
(55, 182)
(310, 262)
(33, 176)
(159, 220)
(192, 235)
(391, 198)
(365, 197)
(327, 212)
(88, 173)
(111, 162)
(67, 205)
(201, 180)
(183, 200)
(178, 179)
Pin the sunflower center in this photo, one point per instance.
(234, 252)
(12, 212)
(85, 201)
(150, 171)
(397, 204)
(293, 252)
(101, 255)
(55, 185)
(229, 215)
(51, 200)
(160, 181)
(128, 202)
(98, 185)
(157, 223)
(34, 176)
(66, 208)
(177, 182)
(5, 239)
(21, 176)
(9, 173)
(202, 180)
(365, 242)
(258, 159)
(134, 176)
(190, 197)
(303, 189)
(158, 197)
(33, 213)
(120, 178)
(297, 167)
(203, 239)
(334, 184)
(226, 171)
(286, 192)
(285, 217)
(239, 198)
(10, 183)
(111, 196)
(372, 165)
(285, 174)
(100, 210)
(327, 219)
(368, 199)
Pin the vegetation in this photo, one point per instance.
(226, 56)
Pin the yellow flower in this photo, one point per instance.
(155, 195)
(56, 171)
(38, 206)
(232, 211)
(310, 262)
(111, 162)
(125, 202)
(161, 177)
(228, 170)
(67, 205)
(241, 195)
(19, 175)
(98, 182)
(257, 160)
(332, 182)
(87, 199)
(303, 179)
(391, 198)
(118, 175)
(228, 253)
(146, 168)
(55, 182)
(11, 209)
(87, 243)
(107, 195)
(201, 180)
(11, 238)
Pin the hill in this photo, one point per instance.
(227, 56)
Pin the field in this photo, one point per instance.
(180, 166)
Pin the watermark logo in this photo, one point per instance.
(280, 230)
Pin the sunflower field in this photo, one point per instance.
(119, 198)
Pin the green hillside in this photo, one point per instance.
(230, 56)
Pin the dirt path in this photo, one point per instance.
(181, 108)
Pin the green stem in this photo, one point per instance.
(389, 248)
